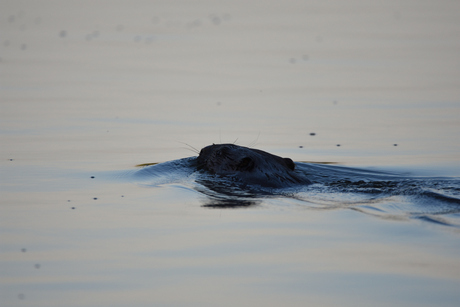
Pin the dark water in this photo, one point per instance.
(382, 194)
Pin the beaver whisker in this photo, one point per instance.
(253, 143)
(191, 148)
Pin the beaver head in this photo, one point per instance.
(247, 164)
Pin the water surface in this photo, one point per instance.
(94, 89)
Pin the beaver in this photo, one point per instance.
(249, 166)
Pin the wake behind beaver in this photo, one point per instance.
(235, 176)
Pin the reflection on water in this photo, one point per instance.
(381, 194)
(229, 203)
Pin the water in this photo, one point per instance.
(94, 89)
(383, 194)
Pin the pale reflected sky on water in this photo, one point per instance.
(356, 74)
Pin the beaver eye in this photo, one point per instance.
(246, 164)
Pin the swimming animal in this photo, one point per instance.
(250, 166)
(232, 176)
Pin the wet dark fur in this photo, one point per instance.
(249, 166)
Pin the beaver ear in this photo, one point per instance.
(245, 164)
(289, 163)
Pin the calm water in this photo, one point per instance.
(94, 89)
